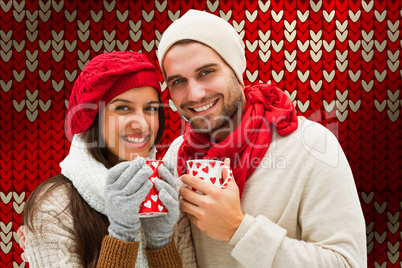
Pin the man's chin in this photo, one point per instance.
(208, 128)
(200, 129)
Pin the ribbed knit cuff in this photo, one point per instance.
(164, 257)
(117, 253)
(242, 229)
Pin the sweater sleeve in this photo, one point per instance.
(117, 253)
(180, 255)
(51, 241)
(164, 257)
(329, 215)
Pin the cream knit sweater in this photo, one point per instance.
(301, 205)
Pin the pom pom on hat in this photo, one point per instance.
(209, 30)
(102, 79)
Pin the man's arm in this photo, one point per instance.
(329, 216)
(331, 222)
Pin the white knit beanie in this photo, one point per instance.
(210, 30)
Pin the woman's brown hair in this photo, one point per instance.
(89, 226)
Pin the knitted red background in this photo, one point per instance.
(339, 61)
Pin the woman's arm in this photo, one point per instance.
(50, 236)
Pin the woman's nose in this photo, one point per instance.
(136, 121)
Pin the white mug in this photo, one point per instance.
(210, 171)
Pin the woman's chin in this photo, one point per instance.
(133, 154)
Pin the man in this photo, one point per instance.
(290, 205)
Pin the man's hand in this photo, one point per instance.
(218, 212)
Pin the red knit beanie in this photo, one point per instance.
(102, 79)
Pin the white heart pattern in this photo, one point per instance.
(160, 207)
(153, 179)
(154, 197)
(148, 204)
(155, 164)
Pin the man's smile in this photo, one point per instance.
(204, 107)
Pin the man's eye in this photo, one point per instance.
(178, 81)
(206, 72)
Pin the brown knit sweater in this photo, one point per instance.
(117, 253)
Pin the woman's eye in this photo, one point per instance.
(152, 108)
(121, 108)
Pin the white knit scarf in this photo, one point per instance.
(89, 178)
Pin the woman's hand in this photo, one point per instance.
(158, 230)
(127, 185)
(21, 242)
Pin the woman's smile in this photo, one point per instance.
(135, 142)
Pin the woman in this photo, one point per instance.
(71, 220)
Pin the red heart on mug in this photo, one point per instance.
(205, 169)
(213, 180)
(212, 164)
(195, 172)
(198, 165)
(190, 164)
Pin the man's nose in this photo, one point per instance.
(195, 91)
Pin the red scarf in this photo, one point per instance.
(267, 109)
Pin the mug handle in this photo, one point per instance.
(228, 179)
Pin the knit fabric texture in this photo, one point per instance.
(164, 257)
(117, 253)
(102, 79)
(51, 242)
(209, 30)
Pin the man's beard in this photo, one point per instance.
(230, 108)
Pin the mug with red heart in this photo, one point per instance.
(210, 171)
(152, 206)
